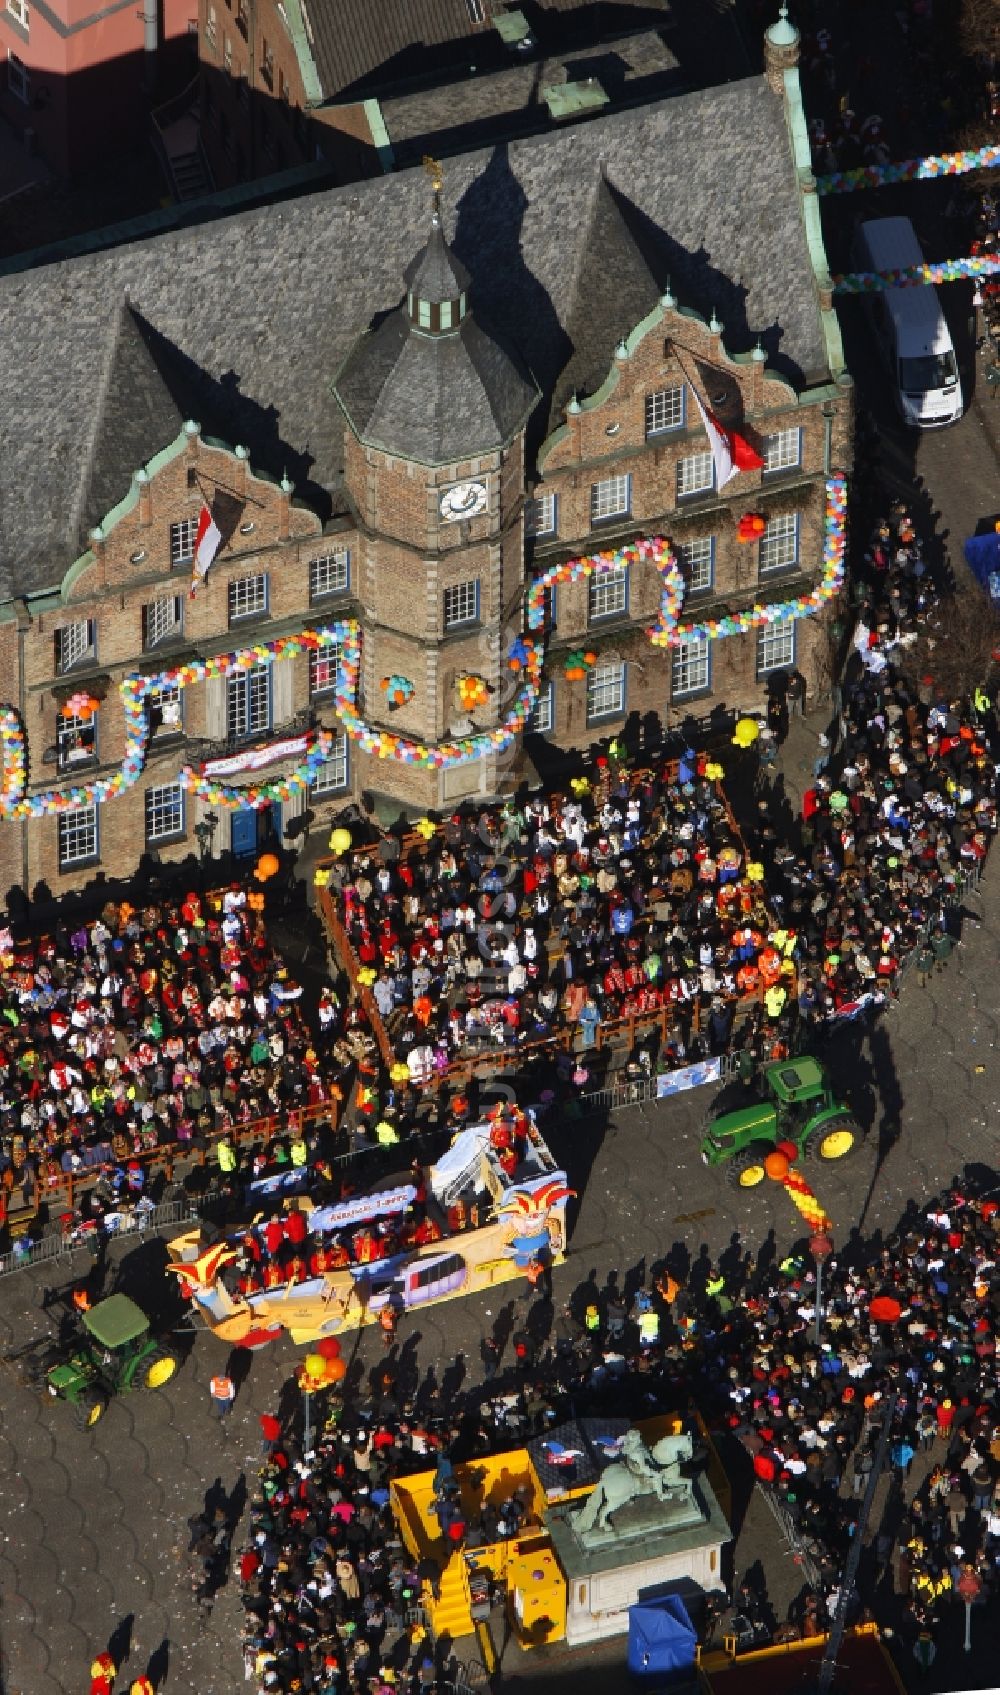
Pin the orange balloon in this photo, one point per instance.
(336, 1371)
(268, 865)
(776, 1165)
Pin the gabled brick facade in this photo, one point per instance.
(606, 436)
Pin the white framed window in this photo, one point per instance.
(162, 620)
(608, 593)
(476, 11)
(334, 773)
(695, 474)
(330, 575)
(783, 451)
(167, 710)
(248, 703)
(18, 10)
(164, 813)
(776, 647)
(211, 25)
(182, 538)
(665, 410)
(247, 597)
(18, 78)
(540, 515)
(610, 498)
(227, 55)
(544, 711)
(76, 741)
(779, 545)
(606, 691)
(323, 667)
(461, 604)
(76, 644)
(698, 555)
(79, 838)
(691, 671)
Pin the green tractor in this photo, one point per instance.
(115, 1354)
(797, 1105)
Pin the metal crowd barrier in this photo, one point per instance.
(139, 1220)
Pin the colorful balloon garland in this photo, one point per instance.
(918, 276)
(910, 170)
(261, 794)
(136, 692)
(525, 658)
(386, 744)
(673, 634)
(14, 774)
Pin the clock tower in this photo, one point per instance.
(436, 408)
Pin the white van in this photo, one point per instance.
(911, 327)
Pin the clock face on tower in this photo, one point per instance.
(463, 500)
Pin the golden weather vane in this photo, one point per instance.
(434, 171)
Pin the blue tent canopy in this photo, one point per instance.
(982, 555)
(662, 1641)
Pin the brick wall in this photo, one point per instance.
(127, 570)
(607, 437)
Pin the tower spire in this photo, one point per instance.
(435, 173)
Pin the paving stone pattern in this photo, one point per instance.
(94, 1524)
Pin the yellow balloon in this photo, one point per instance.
(746, 732)
(314, 1365)
(340, 840)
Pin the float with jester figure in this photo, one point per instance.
(490, 1210)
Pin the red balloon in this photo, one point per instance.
(789, 1150)
(885, 1309)
(328, 1347)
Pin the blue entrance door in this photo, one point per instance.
(245, 833)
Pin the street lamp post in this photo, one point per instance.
(821, 1247)
(969, 1588)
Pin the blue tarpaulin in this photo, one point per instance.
(982, 555)
(661, 1640)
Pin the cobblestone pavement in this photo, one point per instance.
(94, 1524)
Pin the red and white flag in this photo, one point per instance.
(207, 542)
(731, 452)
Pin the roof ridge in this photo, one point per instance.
(88, 459)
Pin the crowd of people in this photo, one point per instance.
(147, 1029)
(902, 809)
(635, 895)
(334, 1602)
(629, 896)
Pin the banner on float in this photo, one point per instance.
(689, 1077)
(360, 1210)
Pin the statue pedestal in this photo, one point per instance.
(650, 1543)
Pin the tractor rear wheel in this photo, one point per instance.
(158, 1368)
(90, 1408)
(836, 1139)
(746, 1169)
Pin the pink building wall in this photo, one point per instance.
(86, 73)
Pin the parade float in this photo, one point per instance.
(488, 1212)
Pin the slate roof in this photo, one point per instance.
(609, 261)
(137, 414)
(361, 45)
(249, 317)
(435, 274)
(437, 398)
(452, 117)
